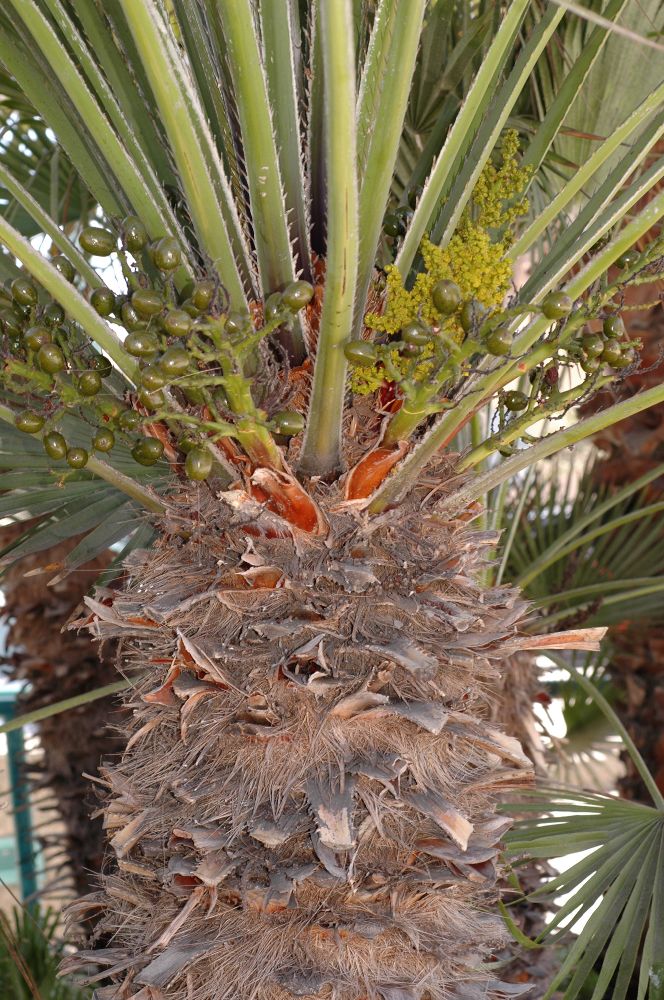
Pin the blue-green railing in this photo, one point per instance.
(20, 798)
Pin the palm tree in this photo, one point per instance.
(306, 803)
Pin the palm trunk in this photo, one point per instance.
(59, 665)
(307, 801)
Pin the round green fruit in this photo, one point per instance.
(515, 400)
(131, 318)
(102, 301)
(147, 451)
(9, 323)
(36, 337)
(64, 266)
(273, 307)
(202, 294)
(177, 323)
(590, 364)
(627, 357)
(151, 400)
(89, 383)
(134, 234)
(557, 305)
(129, 420)
(102, 365)
(288, 422)
(613, 326)
(77, 458)
(237, 324)
(104, 439)
(186, 444)
(416, 335)
(166, 254)
(54, 314)
(152, 379)
(446, 297)
(141, 344)
(24, 292)
(198, 464)
(297, 295)
(147, 302)
(29, 422)
(99, 242)
(628, 259)
(612, 352)
(499, 342)
(471, 315)
(361, 353)
(55, 445)
(593, 345)
(393, 226)
(174, 362)
(50, 359)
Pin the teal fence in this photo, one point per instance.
(17, 857)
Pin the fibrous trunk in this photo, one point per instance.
(58, 665)
(306, 806)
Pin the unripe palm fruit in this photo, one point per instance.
(593, 345)
(237, 324)
(9, 323)
(102, 365)
(297, 295)
(590, 364)
(202, 294)
(64, 266)
(147, 451)
(288, 422)
(141, 344)
(36, 337)
(89, 383)
(198, 464)
(152, 379)
(166, 254)
(99, 242)
(77, 458)
(131, 318)
(393, 226)
(613, 326)
(147, 302)
(174, 362)
(24, 292)
(556, 305)
(177, 323)
(446, 297)
(29, 422)
(361, 353)
(50, 359)
(416, 335)
(134, 234)
(104, 439)
(628, 259)
(499, 342)
(54, 314)
(151, 400)
(273, 306)
(612, 352)
(55, 445)
(129, 420)
(410, 351)
(471, 315)
(515, 400)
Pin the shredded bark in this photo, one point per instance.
(307, 804)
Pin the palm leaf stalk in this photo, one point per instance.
(305, 806)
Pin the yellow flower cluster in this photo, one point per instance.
(475, 258)
(365, 381)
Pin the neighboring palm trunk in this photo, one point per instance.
(307, 799)
(59, 665)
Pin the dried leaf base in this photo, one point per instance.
(306, 807)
